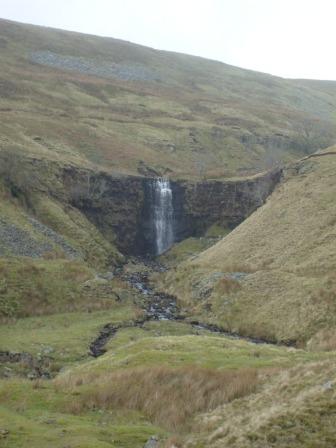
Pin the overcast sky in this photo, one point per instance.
(290, 38)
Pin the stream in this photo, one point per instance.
(160, 306)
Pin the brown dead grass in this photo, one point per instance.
(41, 287)
(226, 285)
(324, 340)
(294, 408)
(289, 242)
(168, 397)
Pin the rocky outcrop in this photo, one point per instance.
(112, 203)
(198, 205)
(119, 205)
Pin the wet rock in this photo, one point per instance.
(328, 386)
(202, 288)
(152, 442)
(97, 346)
(162, 306)
(13, 357)
(237, 275)
(106, 276)
(47, 350)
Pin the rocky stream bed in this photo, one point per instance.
(159, 306)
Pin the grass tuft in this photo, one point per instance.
(168, 397)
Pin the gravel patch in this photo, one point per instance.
(18, 242)
(55, 237)
(134, 72)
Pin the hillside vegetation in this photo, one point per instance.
(156, 380)
(295, 408)
(274, 275)
(87, 357)
(45, 262)
(104, 102)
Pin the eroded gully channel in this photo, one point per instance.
(159, 306)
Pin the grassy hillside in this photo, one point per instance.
(99, 101)
(156, 380)
(48, 250)
(296, 408)
(274, 275)
(87, 103)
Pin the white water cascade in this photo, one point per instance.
(163, 214)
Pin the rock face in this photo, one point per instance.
(198, 205)
(120, 206)
(112, 203)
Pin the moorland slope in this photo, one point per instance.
(274, 275)
(97, 101)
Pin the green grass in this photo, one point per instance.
(225, 123)
(185, 249)
(30, 287)
(42, 411)
(177, 345)
(35, 417)
(191, 247)
(77, 230)
(68, 335)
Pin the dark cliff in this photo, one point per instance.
(118, 205)
(198, 205)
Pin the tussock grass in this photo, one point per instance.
(226, 285)
(323, 340)
(33, 417)
(37, 287)
(158, 373)
(168, 397)
(295, 407)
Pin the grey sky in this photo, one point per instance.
(290, 38)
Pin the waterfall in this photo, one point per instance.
(163, 214)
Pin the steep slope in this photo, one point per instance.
(97, 101)
(302, 414)
(48, 250)
(274, 275)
